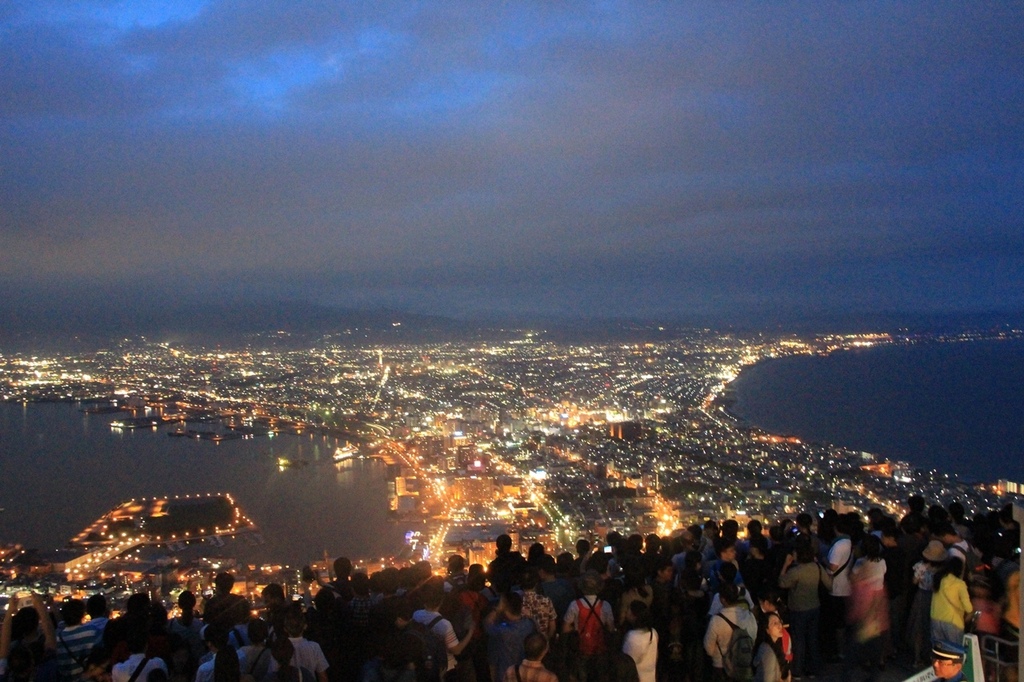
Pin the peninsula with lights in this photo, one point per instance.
(170, 521)
(525, 435)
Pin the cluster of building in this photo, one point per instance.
(545, 441)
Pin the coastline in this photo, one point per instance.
(340, 510)
(761, 396)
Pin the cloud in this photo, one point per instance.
(530, 156)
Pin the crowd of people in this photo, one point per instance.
(708, 604)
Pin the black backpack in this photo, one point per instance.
(434, 664)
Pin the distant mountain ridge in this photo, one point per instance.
(95, 322)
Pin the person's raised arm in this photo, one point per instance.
(5, 630)
(44, 620)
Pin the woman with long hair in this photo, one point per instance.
(770, 664)
(225, 665)
(641, 641)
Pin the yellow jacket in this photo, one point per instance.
(950, 602)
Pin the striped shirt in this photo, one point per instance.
(73, 646)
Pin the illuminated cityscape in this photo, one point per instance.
(291, 290)
(547, 441)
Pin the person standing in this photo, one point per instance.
(839, 558)
(770, 663)
(532, 669)
(802, 576)
(948, 661)
(592, 619)
(430, 616)
(74, 641)
(718, 637)
(951, 606)
(919, 620)
(641, 641)
(139, 665)
(869, 610)
(306, 654)
(507, 630)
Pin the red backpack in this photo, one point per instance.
(591, 629)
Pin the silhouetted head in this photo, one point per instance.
(342, 568)
(96, 605)
(456, 564)
(224, 582)
(72, 611)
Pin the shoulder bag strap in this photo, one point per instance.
(79, 661)
(138, 670)
(847, 563)
(732, 627)
(257, 659)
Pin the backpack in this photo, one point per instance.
(971, 557)
(434, 664)
(738, 658)
(591, 629)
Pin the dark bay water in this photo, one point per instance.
(956, 407)
(60, 469)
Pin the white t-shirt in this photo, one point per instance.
(204, 673)
(642, 647)
(838, 556)
(307, 655)
(122, 672)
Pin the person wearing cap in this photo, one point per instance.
(948, 661)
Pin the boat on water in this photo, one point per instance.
(104, 409)
(136, 423)
(214, 436)
(346, 451)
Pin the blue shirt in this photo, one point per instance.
(505, 643)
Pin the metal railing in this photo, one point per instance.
(999, 656)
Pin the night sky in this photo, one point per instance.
(486, 158)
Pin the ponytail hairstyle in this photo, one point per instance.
(225, 665)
